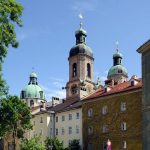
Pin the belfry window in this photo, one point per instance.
(74, 70)
(88, 70)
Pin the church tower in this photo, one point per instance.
(80, 59)
(117, 73)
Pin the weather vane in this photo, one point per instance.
(81, 18)
(117, 46)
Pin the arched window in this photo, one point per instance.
(88, 70)
(31, 103)
(74, 70)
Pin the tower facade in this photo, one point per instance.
(117, 73)
(81, 61)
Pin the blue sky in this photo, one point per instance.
(48, 34)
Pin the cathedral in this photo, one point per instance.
(90, 113)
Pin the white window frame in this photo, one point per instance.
(123, 106)
(123, 126)
(90, 112)
(104, 110)
(124, 145)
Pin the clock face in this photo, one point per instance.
(74, 89)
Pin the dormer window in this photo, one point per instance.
(74, 70)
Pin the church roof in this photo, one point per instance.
(116, 89)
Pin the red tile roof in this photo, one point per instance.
(122, 87)
(65, 105)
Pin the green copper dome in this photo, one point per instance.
(117, 70)
(33, 90)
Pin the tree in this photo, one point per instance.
(10, 13)
(74, 145)
(32, 144)
(57, 145)
(15, 117)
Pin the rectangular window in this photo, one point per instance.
(104, 110)
(56, 118)
(70, 130)
(56, 131)
(77, 115)
(62, 131)
(41, 121)
(63, 118)
(123, 106)
(124, 144)
(123, 126)
(105, 128)
(77, 129)
(70, 116)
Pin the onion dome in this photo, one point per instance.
(117, 70)
(33, 90)
(81, 47)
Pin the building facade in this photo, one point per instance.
(114, 112)
(145, 51)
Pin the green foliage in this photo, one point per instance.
(74, 145)
(57, 145)
(15, 116)
(32, 144)
(10, 13)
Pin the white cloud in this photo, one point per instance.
(54, 88)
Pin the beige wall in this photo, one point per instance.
(69, 123)
(40, 127)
